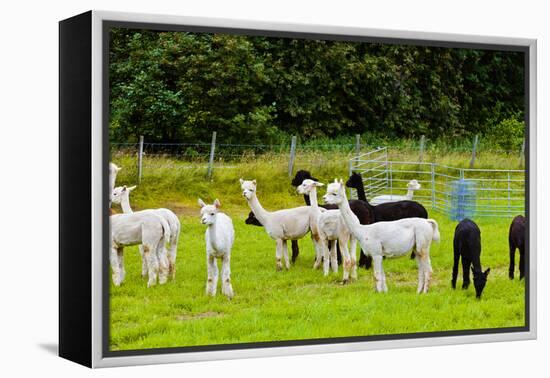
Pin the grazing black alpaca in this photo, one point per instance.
(389, 211)
(516, 239)
(467, 245)
(359, 208)
(252, 220)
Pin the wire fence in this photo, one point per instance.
(216, 155)
(457, 192)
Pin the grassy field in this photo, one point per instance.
(299, 303)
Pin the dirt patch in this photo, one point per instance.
(202, 315)
(182, 210)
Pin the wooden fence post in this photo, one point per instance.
(357, 145)
(474, 148)
(522, 154)
(292, 156)
(140, 158)
(211, 159)
(422, 141)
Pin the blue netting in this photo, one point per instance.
(463, 199)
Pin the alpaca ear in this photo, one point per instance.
(254, 181)
(201, 203)
(319, 183)
(486, 273)
(241, 181)
(124, 188)
(132, 188)
(117, 169)
(217, 203)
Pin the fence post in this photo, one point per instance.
(140, 158)
(212, 150)
(422, 141)
(350, 164)
(292, 156)
(433, 185)
(522, 154)
(474, 148)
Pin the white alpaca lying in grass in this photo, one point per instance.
(331, 226)
(219, 237)
(411, 187)
(392, 239)
(121, 196)
(281, 225)
(145, 228)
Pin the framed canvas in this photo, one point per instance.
(233, 189)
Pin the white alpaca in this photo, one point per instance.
(392, 239)
(281, 225)
(121, 196)
(113, 171)
(411, 187)
(142, 227)
(331, 226)
(219, 237)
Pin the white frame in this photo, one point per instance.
(97, 206)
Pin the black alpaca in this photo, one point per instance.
(467, 245)
(516, 239)
(359, 208)
(253, 221)
(389, 211)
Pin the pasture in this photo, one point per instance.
(299, 303)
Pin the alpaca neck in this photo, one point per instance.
(361, 192)
(350, 218)
(313, 199)
(125, 204)
(306, 198)
(410, 194)
(259, 212)
(476, 264)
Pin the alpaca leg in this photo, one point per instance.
(420, 273)
(455, 265)
(162, 256)
(285, 254)
(512, 261)
(120, 256)
(465, 273)
(115, 266)
(227, 289)
(295, 250)
(353, 255)
(427, 269)
(346, 259)
(152, 263)
(144, 268)
(334, 256)
(521, 263)
(212, 270)
(279, 254)
(319, 251)
(379, 273)
(326, 256)
(172, 253)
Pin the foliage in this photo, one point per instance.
(509, 133)
(179, 86)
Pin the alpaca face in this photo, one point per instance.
(119, 192)
(334, 195)
(307, 186)
(248, 188)
(209, 212)
(480, 279)
(354, 181)
(413, 185)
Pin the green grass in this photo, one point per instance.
(299, 303)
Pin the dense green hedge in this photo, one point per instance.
(182, 86)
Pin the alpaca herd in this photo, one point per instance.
(388, 226)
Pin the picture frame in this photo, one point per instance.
(84, 275)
